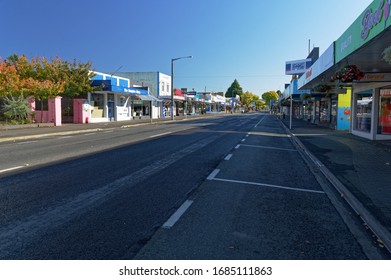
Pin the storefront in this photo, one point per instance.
(119, 103)
(372, 112)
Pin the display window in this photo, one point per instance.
(363, 120)
(385, 111)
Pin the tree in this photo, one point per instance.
(270, 95)
(234, 89)
(261, 105)
(247, 98)
(43, 79)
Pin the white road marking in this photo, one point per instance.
(65, 137)
(177, 215)
(162, 134)
(88, 134)
(228, 157)
(27, 142)
(213, 174)
(109, 131)
(237, 147)
(260, 122)
(243, 140)
(266, 185)
(13, 168)
(272, 148)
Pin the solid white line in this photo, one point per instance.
(162, 134)
(267, 185)
(213, 174)
(13, 168)
(228, 157)
(177, 215)
(272, 148)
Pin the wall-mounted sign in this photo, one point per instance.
(374, 20)
(297, 66)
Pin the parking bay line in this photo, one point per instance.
(267, 147)
(212, 177)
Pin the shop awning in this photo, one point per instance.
(146, 98)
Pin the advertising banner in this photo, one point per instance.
(374, 20)
(297, 66)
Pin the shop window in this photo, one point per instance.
(385, 112)
(364, 111)
(168, 88)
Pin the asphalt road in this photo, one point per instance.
(110, 194)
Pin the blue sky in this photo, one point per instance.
(249, 40)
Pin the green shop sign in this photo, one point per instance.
(374, 20)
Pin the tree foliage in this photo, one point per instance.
(270, 95)
(261, 105)
(44, 78)
(247, 98)
(234, 89)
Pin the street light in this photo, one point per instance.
(172, 83)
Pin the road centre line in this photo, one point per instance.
(177, 215)
(212, 177)
(267, 147)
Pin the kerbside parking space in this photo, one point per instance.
(261, 202)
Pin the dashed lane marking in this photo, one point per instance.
(177, 215)
(228, 157)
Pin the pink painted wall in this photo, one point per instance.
(81, 111)
(52, 115)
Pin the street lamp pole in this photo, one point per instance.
(172, 83)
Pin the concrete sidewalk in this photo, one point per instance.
(360, 169)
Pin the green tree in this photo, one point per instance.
(247, 98)
(234, 89)
(270, 95)
(261, 105)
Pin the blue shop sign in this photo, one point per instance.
(107, 86)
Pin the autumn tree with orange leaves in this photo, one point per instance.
(43, 79)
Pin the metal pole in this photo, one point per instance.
(172, 83)
(172, 89)
(291, 111)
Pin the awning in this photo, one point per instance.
(146, 98)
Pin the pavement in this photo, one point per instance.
(358, 168)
